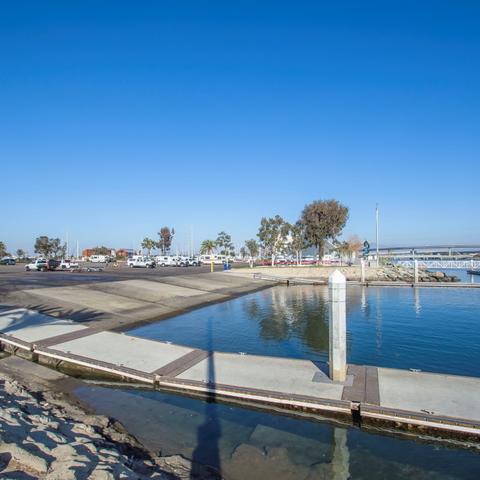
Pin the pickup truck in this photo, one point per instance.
(68, 265)
(139, 261)
(42, 265)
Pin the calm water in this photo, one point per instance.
(252, 445)
(463, 275)
(431, 329)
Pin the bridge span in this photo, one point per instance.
(444, 263)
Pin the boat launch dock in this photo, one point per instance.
(447, 404)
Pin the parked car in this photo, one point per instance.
(43, 265)
(8, 261)
(68, 265)
(140, 261)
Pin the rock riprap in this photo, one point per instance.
(44, 441)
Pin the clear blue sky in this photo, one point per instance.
(119, 117)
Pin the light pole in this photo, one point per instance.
(376, 221)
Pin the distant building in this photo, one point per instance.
(125, 252)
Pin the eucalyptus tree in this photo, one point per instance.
(57, 250)
(50, 247)
(252, 247)
(3, 249)
(297, 240)
(149, 244)
(208, 247)
(165, 239)
(354, 246)
(273, 233)
(323, 220)
(343, 249)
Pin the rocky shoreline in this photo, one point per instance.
(45, 435)
(395, 273)
(320, 273)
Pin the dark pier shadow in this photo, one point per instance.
(206, 456)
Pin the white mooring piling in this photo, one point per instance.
(337, 353)
(362, 270)
(415, 271)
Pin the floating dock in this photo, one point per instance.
(434, 403)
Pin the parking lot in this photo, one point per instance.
(14, 277)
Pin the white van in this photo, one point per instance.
(98, 258)
(139, 261)
(165, 261)
(216, 259)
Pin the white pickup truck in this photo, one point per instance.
(68, 265)
(36, 265)
(140, 261)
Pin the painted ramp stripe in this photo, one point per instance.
(365, 387)
(67, 337)
(182, 364)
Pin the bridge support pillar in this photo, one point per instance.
(415, 271)
(337, 352)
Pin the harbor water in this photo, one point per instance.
(427, 328)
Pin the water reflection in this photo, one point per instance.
(428, 328)
(292, 313)
(418, 305)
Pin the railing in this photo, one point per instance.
(454, 264)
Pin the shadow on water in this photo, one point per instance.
(207, 449)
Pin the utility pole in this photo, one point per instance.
(376, 221)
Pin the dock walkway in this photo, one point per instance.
(432, 402)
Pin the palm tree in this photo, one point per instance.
(208, 247)
(148, 244)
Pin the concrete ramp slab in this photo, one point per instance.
(124, 350)
(31, 326)
(88, 298)
(283, 375)
(216, 282)
(430, 393)
(156, 292)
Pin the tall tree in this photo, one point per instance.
(343, 249)
(224, 243)
(208, 247)
(50, 247)
(354, 245)
(273, 235)
(57, 250)
(3, 249)
(252, 247)
(166, 238)
(297, 240)
(323, 220)
(20, 253)
(43, 246)
(148, 244)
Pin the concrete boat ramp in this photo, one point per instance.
(444, 404)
